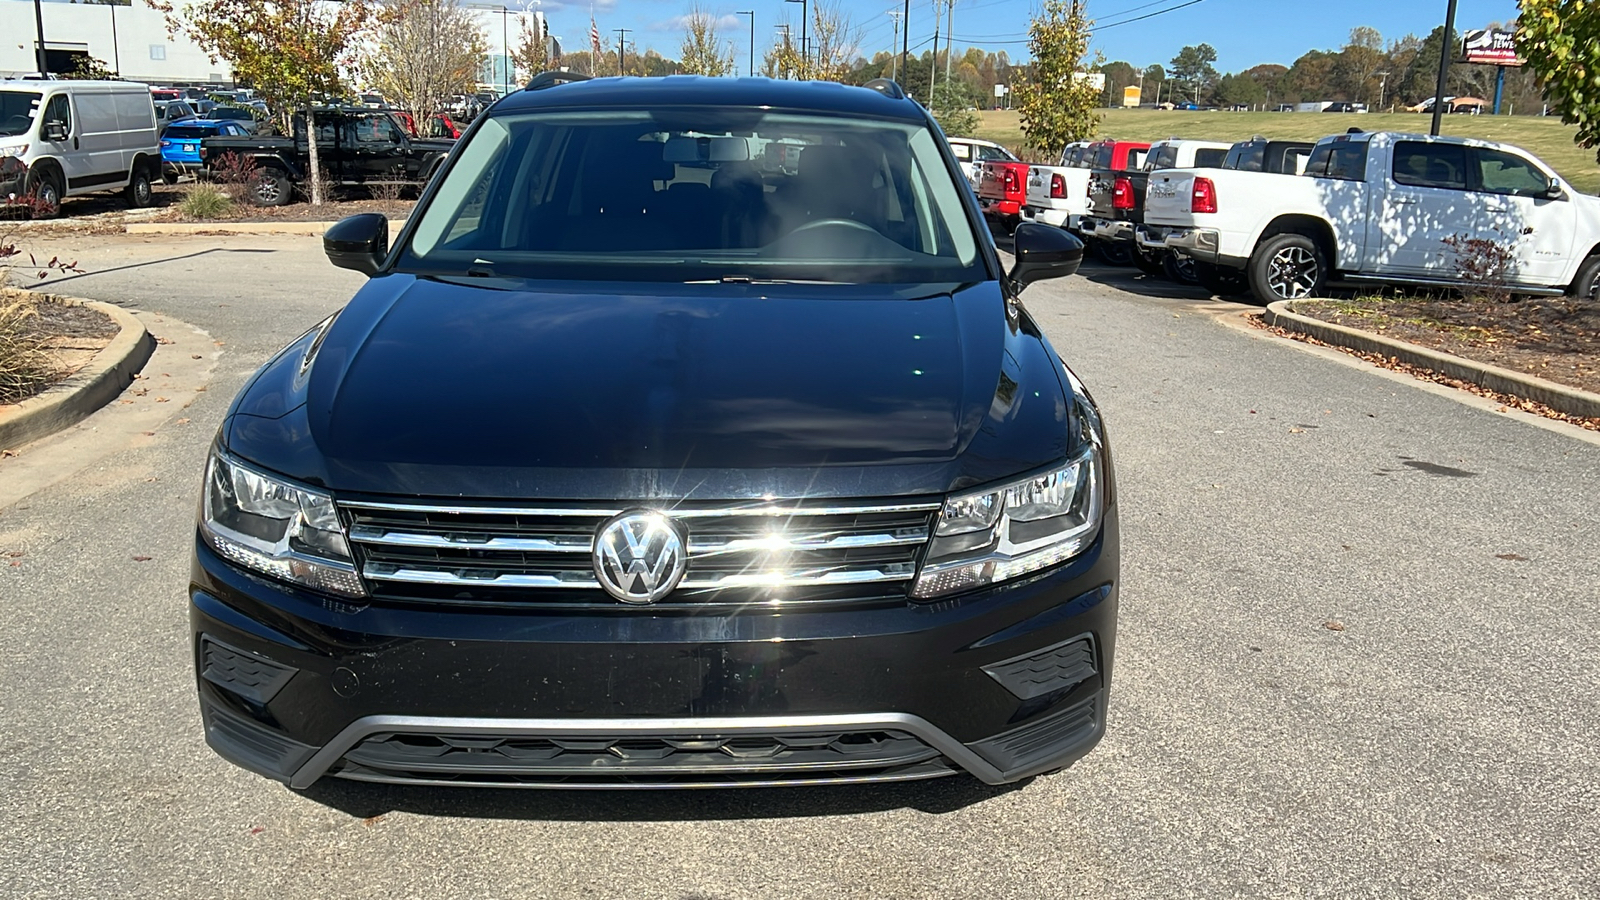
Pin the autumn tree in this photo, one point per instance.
(291, 51)
(1057, 105)
(1560, 39)
(703, 51)
(834, 36)
(1358, 65)
(531, 55)
(423, 53)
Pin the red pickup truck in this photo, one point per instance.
(1003, 190)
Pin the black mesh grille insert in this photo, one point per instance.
(250, 676)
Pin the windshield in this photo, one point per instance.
(16, 112)
(698, 194)
(188, 132)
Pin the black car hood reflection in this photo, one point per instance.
(437, 388)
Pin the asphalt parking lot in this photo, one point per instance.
(1355, 658)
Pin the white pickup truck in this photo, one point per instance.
(1059, 195)
(1382, 207)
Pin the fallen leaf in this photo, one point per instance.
(141, 559)
(148, 433)
(1514, 557)
(1297, 431)
(183, 421)
(1333, 625)
(14, 554)
(162, 340)
(257, 830)
(372, 820)
(194, 356)
(162, 400)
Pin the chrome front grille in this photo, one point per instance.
(738, 555)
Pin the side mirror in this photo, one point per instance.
(1043, 252)
(55, 131)
(1553, 190)
(359, 242)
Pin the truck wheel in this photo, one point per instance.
(1287, 267)
(1148, 263)
(1178, 269)
(1221, 281)
(139, 194)
(44, 195)
(271, 188)
(1115, 253)
(1587, 285)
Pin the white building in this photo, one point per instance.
(133, 41)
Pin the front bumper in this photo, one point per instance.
(1199, 243)
(1003, 684)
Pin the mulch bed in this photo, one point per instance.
(58, 320)
(1555, 338)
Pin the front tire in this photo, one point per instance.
(1587, 285)
(1287, 267)
(44, 195)
(271, 188)
(139, 193)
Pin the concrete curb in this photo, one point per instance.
(99, 382)
(238, 227)
(1558, 397)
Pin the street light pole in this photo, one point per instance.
(805, 52)
(38, 21)
(752, 14)
(1445, 49)
(505, 51)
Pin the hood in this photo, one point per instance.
(477, 388)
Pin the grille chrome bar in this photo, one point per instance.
(596, 513)
(586, 580)
(368, 534)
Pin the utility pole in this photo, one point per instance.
(894, 61)
(933, 64)
(949, 39)
(752, 14)
(905, 40)
(622, 51)
(1446, 47)
(1383, 84)
(782, 72)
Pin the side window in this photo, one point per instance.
(1500, 172)
(1209, 158)
(1348, 161)
(962, 152)
(59, 110)
(1136, 159)
(1424, 164)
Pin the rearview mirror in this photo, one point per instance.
(1043, 252)
(360, 242)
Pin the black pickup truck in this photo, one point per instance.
(1261, 155)
(354, 147)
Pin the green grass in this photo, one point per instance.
(1543, 136)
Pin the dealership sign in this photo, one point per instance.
(1490, 47)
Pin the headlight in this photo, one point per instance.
(17, 150)
(276, 528)
(999, 533)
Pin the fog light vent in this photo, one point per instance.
(1046, 671)
(252, 677)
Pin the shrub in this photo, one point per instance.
(1482, 265)
(234, 170)
(25, 362)
(204, 201)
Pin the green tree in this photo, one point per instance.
(1057, 105)
(1193, 70)
(1560, 39)
(703, 51)
(89, 68)
(1311, 77)
(291, 51)
(952, 108)
(1240, 90)
(1360, 61)
(531, 55)
(1119, 75)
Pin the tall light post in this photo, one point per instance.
(752, 14)
(1445, 49)
(805, 52)
(38, 21)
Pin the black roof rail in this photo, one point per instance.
(550, 79)
(886, 87)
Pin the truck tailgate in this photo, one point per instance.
(1074, 183)
(1167, 198)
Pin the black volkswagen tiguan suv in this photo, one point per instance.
(689, 434)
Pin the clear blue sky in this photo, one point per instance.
(1244, 32)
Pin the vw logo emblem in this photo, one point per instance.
(639, 556)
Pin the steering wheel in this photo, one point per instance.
(827, 223)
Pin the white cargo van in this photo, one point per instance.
(78, 137)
